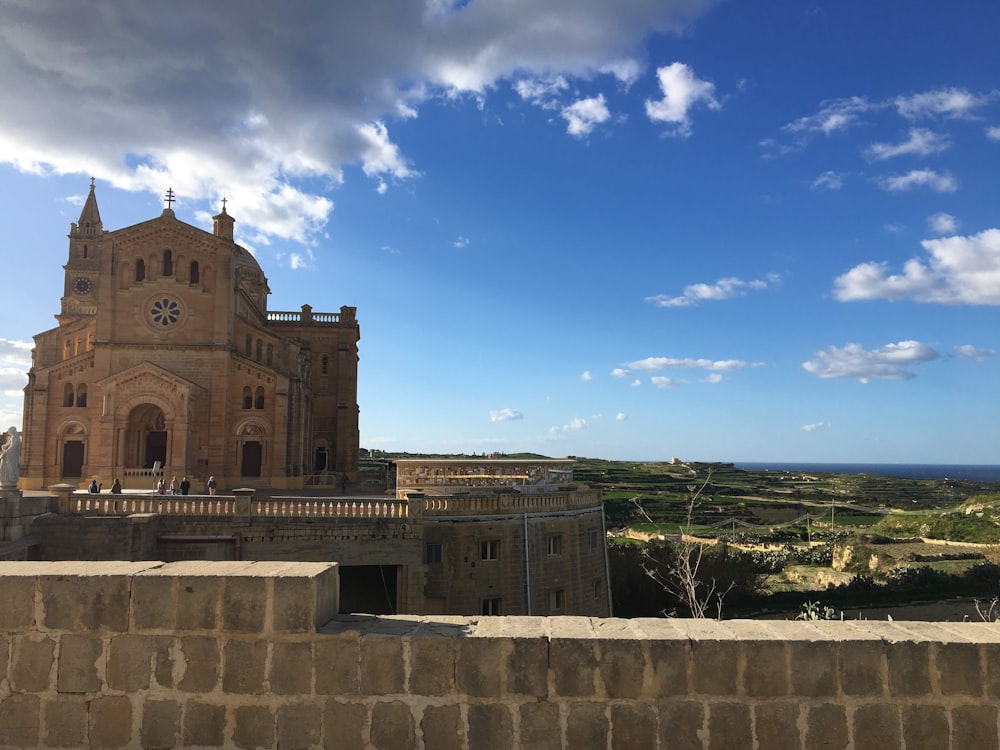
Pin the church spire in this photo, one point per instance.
(90, 217)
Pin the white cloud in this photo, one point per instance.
(713, 377)
(947, 102)
(960, 270)
(246, 104)
(828, 181)
(682, 90)
(460, 242)
(621, 417)
(814, 426)
(542, 92)
(921, 142)
(574, 425)
(505, 415)
(889, 362)
(942, 183)
(993, 133)
(833, 115)
(661, 381)
(636, 383)
(968, 351)
(620, 372)
(942, 223)
(722, 289)
(586, 377)
(583, 115)
(653, 364)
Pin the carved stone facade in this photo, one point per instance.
(165, 352)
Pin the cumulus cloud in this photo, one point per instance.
(713, 377)
(814, 426)
(661, 381)
(542, 92)
(945, 102)
(621, 417)
(586, 377)
(574, 425)
(682, 91)
(583, 115)
(722, 289)
(993, 133)
(960, 270)
(968, 351)
(654, 364)
(833, 115)
(828, 181)
(917, 178)
(460, 242)
(212, 102)
(505, 415)
(942, 223)
(921, 142)
(889, 362)
(620, 372)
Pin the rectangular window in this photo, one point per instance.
(597, 588)
(557, 600)
(432, 553)
(489, 550)
(553, 543)
(593, 538)
(491, 606)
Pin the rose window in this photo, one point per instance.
(165, 312)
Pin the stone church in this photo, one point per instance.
(165, 352)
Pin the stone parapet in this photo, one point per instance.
(227, 655)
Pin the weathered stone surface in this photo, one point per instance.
(669, 660)
(78, 657)
(766, 671)
(200, 655)
(478, 666)
(528, 667)
(539, 725)
(909, 669)
(587, 726)
(204, 724)
(161, 724)
(154, 606)
(973, 726)
(728, 726)
(19, 723)
(110, 721)
(925, 727)
(392, 726)
(300, 726)
(876, 725)
(491, 726)
(861, 668)
(244, 604)
(65, 721)
(243, 666)
(432, 666)
(958, 668)
(344, 725)
(129, 662)
(337, 661)
(573, 664)
(633, 727)
(441, 726)
(622, 668)
(254, 727)
(81, 602)
(291, 668)
(381, 665)
(826, 727)
(813, 668)
(714, 666)
(32, 658)
(776, 725)
(198, 602)
(682, 724)
(17, 592)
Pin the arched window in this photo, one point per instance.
(258, 401)
(85, 251)
(68, 394)
(248, 346)
(324, 365)
(247, 398)
(140, 269)
(168, 263)
(193, 272)
(260, 349)
(81, 395)
(270, 354)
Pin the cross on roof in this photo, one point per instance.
(170, 197)
(223, 204)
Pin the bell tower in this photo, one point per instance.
(83, 265)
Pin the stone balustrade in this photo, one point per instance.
(229, 655)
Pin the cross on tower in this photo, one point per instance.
(170, 197)
(223, 205)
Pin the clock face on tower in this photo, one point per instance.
(82, 285)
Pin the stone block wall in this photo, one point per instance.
(145, 655)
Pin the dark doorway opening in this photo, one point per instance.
(73, 458)
(252, 453)
(156, 448)
(322, 459)
(368, 588)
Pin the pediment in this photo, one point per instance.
(149, 378)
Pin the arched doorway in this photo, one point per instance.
(146, 436)
(74, 453)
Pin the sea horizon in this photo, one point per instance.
(967, 472)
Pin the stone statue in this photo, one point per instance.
(10, 455)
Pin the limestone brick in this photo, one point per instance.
(432, 666)
(300, 726)
(441, 726)
(244, 604)
(78, 664)
(669, 666)
(199, 662)
(291, 668)
(203, 724)
(862, 670)
(633, 727)
(344, 724)
(622, 668)
(573, 665)
(244, 666)
(728, 725)
(76, 601)
(154, 603)
(926, 727)
(17, 592)
(826, 727)
(812, 668)
(776, 724)
(528, 667)
(877, 725)
(129, 662)
(381, 665)
(587, 726)
(682, 724)
(478, 670)
(392, 726)
(19, 721)
(714, 667)
(337, 660)
(540, 728)
(110, 721)
(973, 726)
(64, 718)
(959, 670)
(909, 669)
(32, 660)
(254, 727)
(161, 724)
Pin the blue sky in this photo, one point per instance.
(632, 229)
